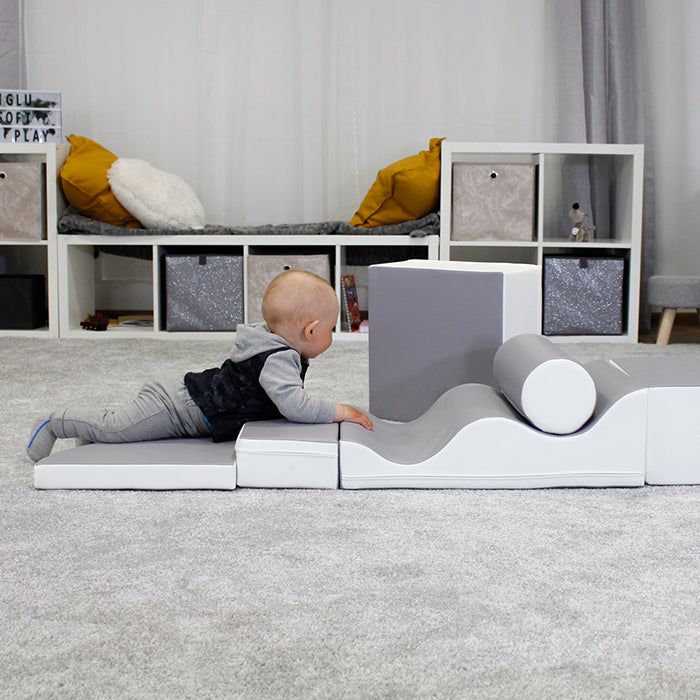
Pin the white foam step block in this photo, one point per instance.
(280, 454)
(194, 463)
(673, 438)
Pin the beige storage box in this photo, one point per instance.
(262, 269)
(22, 201)
(493, 201)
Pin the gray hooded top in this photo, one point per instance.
(263, 378)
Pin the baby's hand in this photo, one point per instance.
(348, 413)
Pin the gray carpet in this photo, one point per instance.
(565, 593)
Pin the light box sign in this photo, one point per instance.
(28, 116)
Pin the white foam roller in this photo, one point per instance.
(548, 387)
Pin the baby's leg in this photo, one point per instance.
(160, 410)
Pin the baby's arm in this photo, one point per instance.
(281, 381)
(348, 413)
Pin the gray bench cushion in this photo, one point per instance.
(674, 292)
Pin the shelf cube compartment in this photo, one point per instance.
(22, 302)
(583, 295)
(203, 292)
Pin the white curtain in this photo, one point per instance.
(282, 111)
(604, 95)
(674, 66)
(11, 55)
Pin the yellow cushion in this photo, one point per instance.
(406, 190)
(85, 185)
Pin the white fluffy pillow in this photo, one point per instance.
(156, 198)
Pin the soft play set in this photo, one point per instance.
(472, 399)
(549, 422)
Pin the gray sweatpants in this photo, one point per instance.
(162, 409)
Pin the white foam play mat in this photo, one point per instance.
(159, 465)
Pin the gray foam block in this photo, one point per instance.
(429, 332)
(437, 324)
(188, 463)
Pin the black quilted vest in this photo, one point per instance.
(231, 395)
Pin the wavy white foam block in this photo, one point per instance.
(549, 388)
(472, 438)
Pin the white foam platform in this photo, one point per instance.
(158, 465)
(673, 434)
(279, 454)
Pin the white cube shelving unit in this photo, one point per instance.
(77, 284)
(68, 261)
(37, 256)
(624, 163)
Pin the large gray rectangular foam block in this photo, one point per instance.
(438, 324)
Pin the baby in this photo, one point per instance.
(262, 379)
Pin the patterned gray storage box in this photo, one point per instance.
(262, 269)
(203, 292)
(583, 296)
(493, 201)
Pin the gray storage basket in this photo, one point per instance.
(583, 295)
(203, 292)
(22, 197)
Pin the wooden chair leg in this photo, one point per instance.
(667, 318)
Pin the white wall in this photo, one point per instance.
(284, 110)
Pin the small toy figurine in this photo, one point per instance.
(579, 232)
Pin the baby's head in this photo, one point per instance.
(303, 309)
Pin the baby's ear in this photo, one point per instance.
(309, 328)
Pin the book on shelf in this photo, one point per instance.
(132, 320)
(351, 307)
